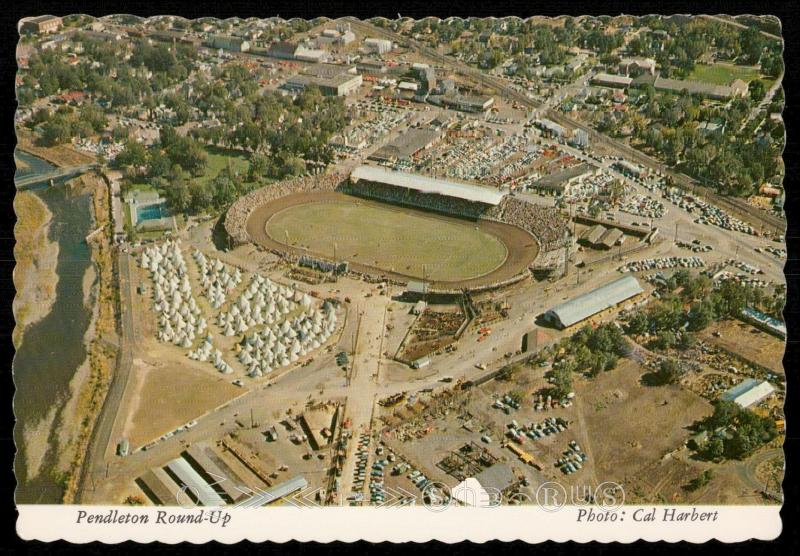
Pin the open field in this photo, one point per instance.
(723, 74)
(400, 240)
(626, 424)
(388, 238)
(749, 342)
(60, 155)
(191, 393)
(220, 158)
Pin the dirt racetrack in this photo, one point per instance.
(522, 248)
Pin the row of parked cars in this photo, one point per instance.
(662, 263)
(535, 431)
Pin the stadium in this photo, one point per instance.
(401, 226)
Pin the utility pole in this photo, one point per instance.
(676, 232)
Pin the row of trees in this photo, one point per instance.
(67, 123)
(675, 327)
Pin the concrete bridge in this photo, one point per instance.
(55, 174)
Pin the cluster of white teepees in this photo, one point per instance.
(290, 326)
(179, 317)
(216, 278)
(281, 344)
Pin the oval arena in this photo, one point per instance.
(400, 226)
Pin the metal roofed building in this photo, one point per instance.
(584, 306)
(609, 80)
(561, 181)
(710, 90)
(749, 392)
(425, 184)
(407, 144)
(195, 484)
(275, 493)
(499, 477)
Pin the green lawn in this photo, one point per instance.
(220, 158)
(722, 74)
(390, 239)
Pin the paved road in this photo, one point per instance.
(102, 443)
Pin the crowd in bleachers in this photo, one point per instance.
(546, 224)
(240, 211)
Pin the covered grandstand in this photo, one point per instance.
(584, 306)
(428, 185)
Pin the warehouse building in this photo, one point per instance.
(41, 24)
(718, 92)
(551, 129)
(407, 145)
(338, 84)
(614, 81)
(226, 42)
(379, 46)
(606, 297)
(560, 183)
(750, 392)
(467, 103)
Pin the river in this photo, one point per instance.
(52, 349)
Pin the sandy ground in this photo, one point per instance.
(35, 277)
(192, 394)
(749, 342)
(35, 437)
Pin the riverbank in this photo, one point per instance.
(90, 383)
(36, 256)
(60, 155)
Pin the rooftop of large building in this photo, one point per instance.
(426, 184)
(584, 306)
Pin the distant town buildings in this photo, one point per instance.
(225, 42)
(332, 80)
(41, 24)
(379, 46)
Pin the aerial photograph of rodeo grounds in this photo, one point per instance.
(333, 262)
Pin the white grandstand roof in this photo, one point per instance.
(425, 184)
(584, 306)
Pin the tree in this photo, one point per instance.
(133, 154)
(700, 316)
(562, 378)
(638, 324)
(669, 372)
(758, 90)
(259, 167)
(715, 449)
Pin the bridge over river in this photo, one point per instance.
(27, 182)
